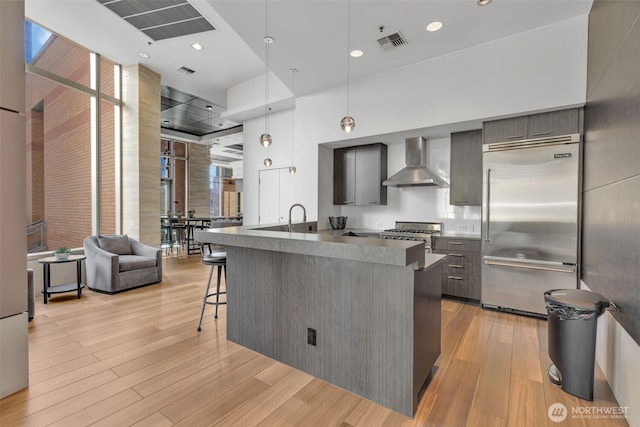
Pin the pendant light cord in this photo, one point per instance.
(293, 112)
(348, 48)
(266, 67)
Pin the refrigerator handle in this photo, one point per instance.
(568, 269)
(486, 238)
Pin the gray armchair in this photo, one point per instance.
(117, 263)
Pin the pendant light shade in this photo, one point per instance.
(292, 170)
(265, 140)
(347, 124)
(267, 162)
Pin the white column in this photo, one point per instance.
(14, 346)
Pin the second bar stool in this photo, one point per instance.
(214, 259)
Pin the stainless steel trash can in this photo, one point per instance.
(572, 321)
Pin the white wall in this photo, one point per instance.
(618, 356)
(540, 69)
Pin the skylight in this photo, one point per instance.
(35, 37)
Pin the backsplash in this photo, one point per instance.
(417, 203)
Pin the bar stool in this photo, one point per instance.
(214, 259)
(179, 235)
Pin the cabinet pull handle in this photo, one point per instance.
(456, 243)
(348, 202)
(542, 133)
(455, 278)
(515, 137)
(456, 266)
(459, 201)
(372, 201)
(458, 255)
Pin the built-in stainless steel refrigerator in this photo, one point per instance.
(530, 221)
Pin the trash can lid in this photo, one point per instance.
(577, 298)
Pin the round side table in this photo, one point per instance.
(47, 289)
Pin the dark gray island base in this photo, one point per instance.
(377, 324)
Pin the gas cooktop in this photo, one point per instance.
(410, 230)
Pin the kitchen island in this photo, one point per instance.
(360, 313)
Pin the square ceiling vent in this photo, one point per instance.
(160, 19)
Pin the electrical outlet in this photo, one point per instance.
(311, 336)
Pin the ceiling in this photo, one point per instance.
(310, 35)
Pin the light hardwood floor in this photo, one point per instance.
(136, 359)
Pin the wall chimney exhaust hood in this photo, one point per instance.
(415, 173)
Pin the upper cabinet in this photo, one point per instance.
(554, 123)
(466, 168)
(511, 129)
(358, 173)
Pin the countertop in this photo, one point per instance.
(324, 243)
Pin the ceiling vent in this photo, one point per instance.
(186, 70)
(392, 40)
(160, 19)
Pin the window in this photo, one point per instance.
(73, 137)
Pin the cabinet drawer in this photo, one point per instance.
(451, 244)
(464, 286)
(469, 261)
(458, 258)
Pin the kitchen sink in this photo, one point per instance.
(299, 227)
(362, 234)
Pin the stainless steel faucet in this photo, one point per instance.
(304, 215)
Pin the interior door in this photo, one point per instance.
(276, 196)
(269, 203)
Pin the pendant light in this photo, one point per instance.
(265, 138)
(348, 123)
(292, 168)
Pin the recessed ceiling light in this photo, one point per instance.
(357, 53)
(197, 46)
(143, 55)
(483, 2)
(434, 26)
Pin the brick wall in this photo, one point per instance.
(67, 151)
(35, 166)
(107, 170)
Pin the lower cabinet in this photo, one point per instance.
(462, 276)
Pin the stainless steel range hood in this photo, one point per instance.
(415, 173)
